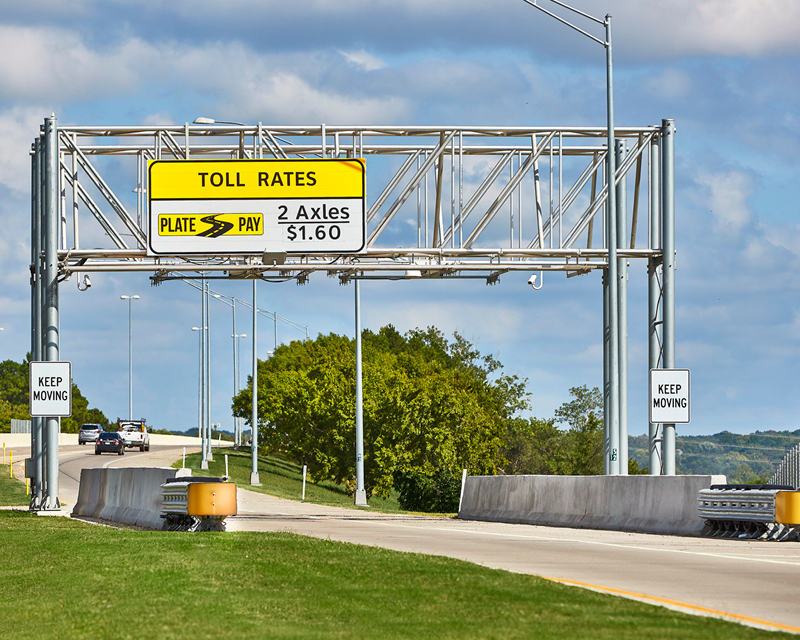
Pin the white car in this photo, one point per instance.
(89, 433)
(134, 434)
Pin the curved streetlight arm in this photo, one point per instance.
(604, 43)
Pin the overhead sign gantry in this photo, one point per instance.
(444, 202)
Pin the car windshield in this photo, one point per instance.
(109, 436)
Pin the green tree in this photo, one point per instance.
(429, 404)
(533, 446)
(536, 446)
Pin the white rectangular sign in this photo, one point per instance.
(50, 389)
(669, 396)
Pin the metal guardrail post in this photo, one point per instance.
(770, 512)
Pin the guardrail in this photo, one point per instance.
(197, 504)
(766, 512)
(788, 471)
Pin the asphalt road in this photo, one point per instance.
(754, 582)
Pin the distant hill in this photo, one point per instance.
(750, 458)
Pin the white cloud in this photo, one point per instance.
(364, 60)
(726, 194)
(288, 98)
(648, 28)
(18, 128)
(714, 27)
(51, 62)
(158, 118)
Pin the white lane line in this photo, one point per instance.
(593, 542)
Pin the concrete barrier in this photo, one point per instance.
(127, 495)
(650, 504)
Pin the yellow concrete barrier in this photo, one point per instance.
(211, 499)
(787, 507)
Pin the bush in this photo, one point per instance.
(437, 493)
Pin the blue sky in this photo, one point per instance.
(726, 71)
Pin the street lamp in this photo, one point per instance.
(130, 299)
(200, 383)
(616, 429)
(237, 422)
(204, 120)
(231, 302)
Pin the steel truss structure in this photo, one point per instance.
(442, 202)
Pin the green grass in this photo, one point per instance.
(64, 579)
(12, 491)
(282, 479)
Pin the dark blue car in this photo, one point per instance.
(109, 441)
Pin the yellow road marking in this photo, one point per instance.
(676, 603)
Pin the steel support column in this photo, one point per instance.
(361, 494)
(36, 311)
(622, 293)
(668, 246)
(254, 415)
(50, 311)
(653, 299)
(209, 452)
(606, 381)
(203, 374)
(236, 436)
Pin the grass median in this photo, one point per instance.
(282, 479)
(64, 579)
(12, 491)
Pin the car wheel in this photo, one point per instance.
(122, 452)
(96, 452)
(147, 448)
(141, 448)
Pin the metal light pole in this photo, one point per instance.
(130, 299)
(612, 330)
(231, 302)
(199, 380)
(205, 368)
(237, 359)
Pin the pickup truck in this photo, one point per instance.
(134, 433)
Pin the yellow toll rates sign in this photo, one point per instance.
(252, 206)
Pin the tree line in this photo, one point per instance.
(432, 406)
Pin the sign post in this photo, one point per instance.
(669, 396)
(256, 206)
